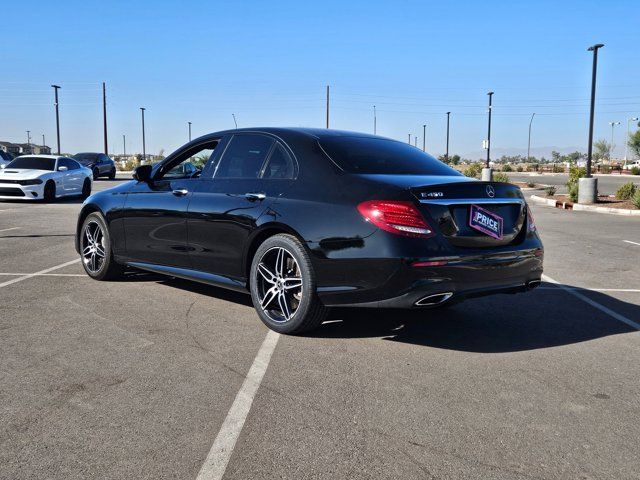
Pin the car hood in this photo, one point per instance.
(409, 181)
(21, 173)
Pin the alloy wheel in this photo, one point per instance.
(279, 284)
(93, 248)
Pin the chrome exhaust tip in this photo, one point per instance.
(434, 299)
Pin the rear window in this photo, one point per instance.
(382, 156)
(86, 158)
(36, 163)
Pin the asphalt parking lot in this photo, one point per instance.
(140, 378)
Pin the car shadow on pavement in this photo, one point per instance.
(501, 323)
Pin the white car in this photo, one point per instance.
(44, 177)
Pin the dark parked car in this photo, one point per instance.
(99, 163)
(306, 219)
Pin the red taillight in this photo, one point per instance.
(402, 218)
(530, 221)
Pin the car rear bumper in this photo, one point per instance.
(460, 278)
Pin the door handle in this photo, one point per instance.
(181, 192)
(253, 196)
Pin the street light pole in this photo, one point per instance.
(626, 140)
(189, 130)
(489, 132)
(446, 155)
(124, 146)
(375, 121)
(424, 137)
(28, 138)
(593, 49)
(409, 141)
(56, 88)
(144, 148)
(44, 144)
(104, 114)
(234, 120)
(613, 124)
(529, 142)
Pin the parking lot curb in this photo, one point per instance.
(588, 208)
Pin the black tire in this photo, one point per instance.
(49, 191)
(86, 188)
(112, 173)
(96, 173)
(107, 269)
(309, 311)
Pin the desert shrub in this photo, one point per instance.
(474, 170)
(550, 191)
(635, 170)
(507, 168)
(636, 199)
(557, 169)
(626, 191)
(531, 184)
(500, 177)
(605, 168)
(519, 168)
(573, 192)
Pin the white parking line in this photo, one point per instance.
(7, 229)
(593, 303)
(216, 462)
(632, 290)
(632, 243)
(45, 274)
(29, 275)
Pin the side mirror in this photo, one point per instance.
(142, 173)
(62, 169)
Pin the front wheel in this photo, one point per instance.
(49, 191)
(283, 287)
(95, 249)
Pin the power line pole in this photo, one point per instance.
(424, 137)
(56, 88)
(409, 139)
(327, 106)
(446, 155)
(593, 49)
(189, 130)
(44, 144)
(529, 141)
(144, 151)
(234, 120)
(124, 146)
(415, 141)
(489, 132)
(613, 124)
(104, 115)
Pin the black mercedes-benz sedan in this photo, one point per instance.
(306, 219)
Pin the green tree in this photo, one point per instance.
(634, 142)
(602, 150)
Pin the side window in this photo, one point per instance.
(280, 164)
(244, 156)
(189, 164)
(73, 165)
(64, 162)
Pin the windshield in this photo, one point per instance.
(382, 156)
(35, 163)
(86, 158)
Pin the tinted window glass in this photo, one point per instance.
(65, 162)
(244, 156)
(37, 163)
(280, 164)
(86, 158)
(374, 155)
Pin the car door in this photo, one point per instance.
(154, 215)
(228, 202)
(105, 165)
(71, 177)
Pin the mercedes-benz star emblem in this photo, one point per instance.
(491, 192)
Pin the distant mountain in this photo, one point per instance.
(538, 152)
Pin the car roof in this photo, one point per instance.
(317, 133)
(55, 157)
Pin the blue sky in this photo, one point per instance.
(269, 62)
